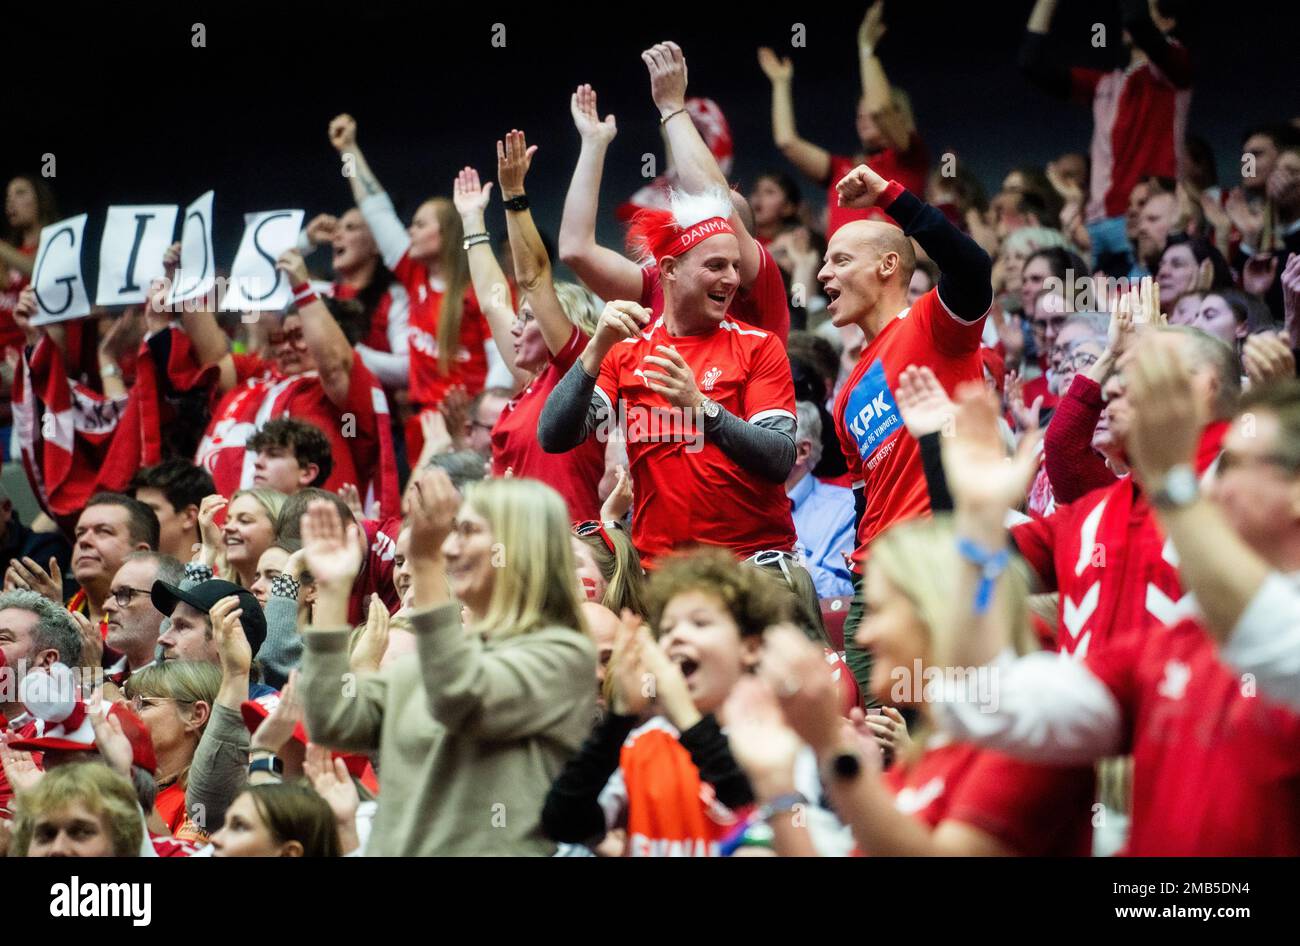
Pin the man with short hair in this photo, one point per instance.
(288, 455)
(1156, 221)
(823, 514)
(189, 634)
(484, 411)
(174, 490)
(132, 621)
(111, 527)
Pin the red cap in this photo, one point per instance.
(254, 711)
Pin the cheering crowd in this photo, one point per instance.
(931, 523)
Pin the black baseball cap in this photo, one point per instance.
(205, 594)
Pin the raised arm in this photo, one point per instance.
(1169, 58)
(1036, 61)
(490, 286)
(374, 204)
(894, 125)
(325, 339)
(532, 264)
(813, 161)
(695, 165)
(608, 274)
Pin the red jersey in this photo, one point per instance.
(574, 475)
(670, 811)
(1036, 810)
(358, 430)
(689, 492)
(908, 168)
(1107, 557)
(1216, 767)
(11, 336)
(377, 336)
(377, 572)
(764, 304)
(882, 456)
(468, 367)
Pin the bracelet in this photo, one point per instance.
(197, 572)
(285, 586)
(990, 564)
(664, 121)
(474, 239)
(304, 295)
(755, 828)
(516, 203)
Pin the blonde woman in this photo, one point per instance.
(940, 797)
(232, 551)
(85, 809)
(471, 729)
(175, 699)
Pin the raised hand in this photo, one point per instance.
(1258, 274)
(454, 409)
(1267, 357)
(1248, 221)
(924, 404)
(369, 651)
(430, 511)
(209, 531)
(332, 553)
(633, 691)
(872, 30)
(619, 500)
(470, 197)
(514, 156)
(228, 633)
(889, 729)
(111, 741)
(1291, 296)
(619, 320)
(20, 771)
(796, 671)
(776, 69)
(667, 65)
(582, 105)
(1025, 415)
(1166, 417)
(761, 742)
(671, 692)
(118, 336)
(860, 188)
(322, 228)
(330, 778)
(25, 573)
(343, 132)
(26, 310)
(92, 642)
(980, 477)
(294, 267)
(674, 380)
(274, 732)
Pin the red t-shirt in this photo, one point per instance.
(689, 492)
(763, 305)
(11, 336)
(908, 168)
(469, 365)
(1037, 811)
(262, 394)
(574, 475)
(377, 573)
(1216, 766)
(881, 455)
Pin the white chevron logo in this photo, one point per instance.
(911, 800)
(1076, 616)
(1088, 537)
(1167, 611)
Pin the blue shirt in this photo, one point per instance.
(823, 521)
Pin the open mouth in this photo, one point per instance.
(686, 665)
(722, 298)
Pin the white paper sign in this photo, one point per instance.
(60, 288)
(131, 251)
(197, 273)
(255, 284)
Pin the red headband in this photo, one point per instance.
(655, 233)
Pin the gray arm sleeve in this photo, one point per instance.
(572, 413)
(282, 649)
(219, 769)
(765, 447)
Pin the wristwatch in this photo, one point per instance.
(271, 764)
(844, 766)
(516, 203)
(1178, 490)
(710, 408)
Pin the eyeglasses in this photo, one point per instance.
(769, 557)
(591, 527)
(124, 595)
(139, 702)
(1082, 360)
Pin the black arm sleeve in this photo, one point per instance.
(935, 481)
(966, 280)
(572, 812)
(1169, 59)
(1041, 69)
(571, 413)
(765, 447)
(712, 756)
(859, 507)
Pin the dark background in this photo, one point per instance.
(135, 114)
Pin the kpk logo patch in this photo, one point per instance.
(872, 413)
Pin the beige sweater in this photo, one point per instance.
(469, 735)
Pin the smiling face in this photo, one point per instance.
(1255, 486)
(698, 633)
(893, 632)
(1178, 272)
(353, 244)
(402, 568)
(71, 831)
(248, 533)
(245, 834)
(269, 566)
(703, 280)
(531, 354)
(425, 232)
(289, 346)
(591, 581)
(103, 541)
(469, 551)
(862, 257)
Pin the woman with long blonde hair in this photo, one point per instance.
(471, 729)
(232, 551)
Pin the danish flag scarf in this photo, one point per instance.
(1116, 571)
